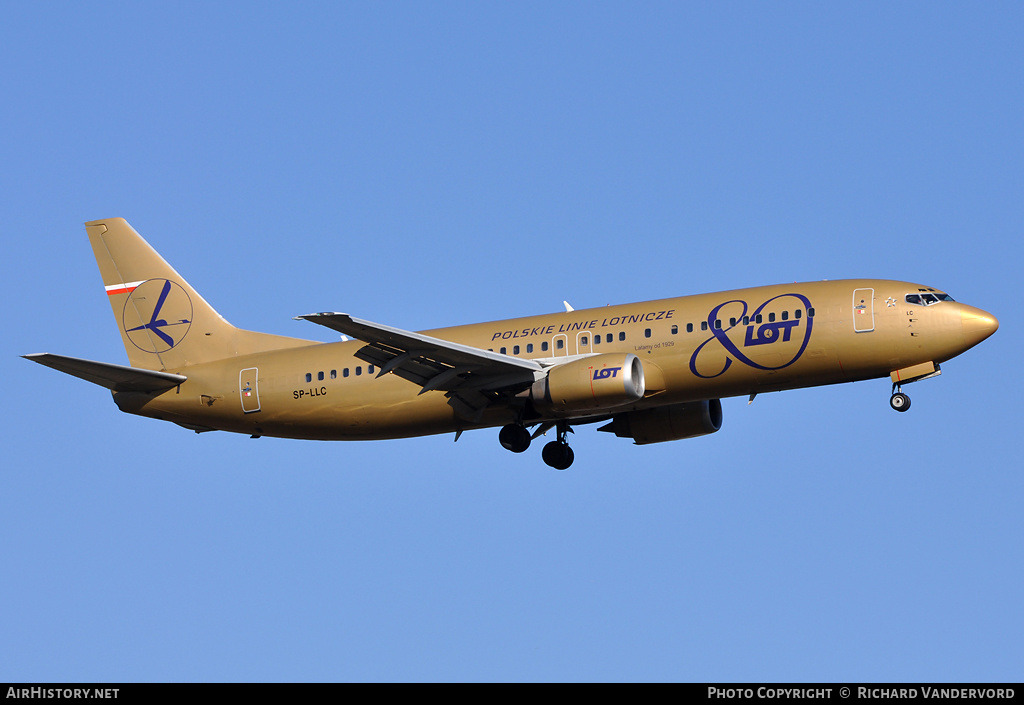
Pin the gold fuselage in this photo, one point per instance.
(793, 336)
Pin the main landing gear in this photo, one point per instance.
(514, 437)
(899, 401)
(557, 453)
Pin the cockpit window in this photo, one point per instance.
(927, 299)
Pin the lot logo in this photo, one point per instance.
(606, 372)
(757, 334)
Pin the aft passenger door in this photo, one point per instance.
(864, 310)
(248, 389)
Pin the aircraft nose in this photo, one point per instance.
(977, 325)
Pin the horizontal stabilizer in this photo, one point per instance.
(117, 378)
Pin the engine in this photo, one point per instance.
(668, 423)
(595, 382)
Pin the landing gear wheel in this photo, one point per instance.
(899, 401)
(558, 455)
(514, 437)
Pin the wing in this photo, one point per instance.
(473, 378)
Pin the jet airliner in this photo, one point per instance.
(651, 372)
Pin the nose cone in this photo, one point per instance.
(977, 325)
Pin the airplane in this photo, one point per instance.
(652, 372)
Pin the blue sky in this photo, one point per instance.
(429, 164)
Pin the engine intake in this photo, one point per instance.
(595, 382)
(668, 423)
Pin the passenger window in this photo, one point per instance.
(675, 330)
(320, 376)
(529, 348)
(622, 335)
(732, 321)
(785, 315)
(758, 318)
(585, 340)
(771, 317)
(370, 369)
(689, 327)
(559, 343)
(359, 371)
(703, 325)
(746, 320)
(796, 314)
(597, 339)
(647, 332)
(810, 312)
(334, 374)
(344, 372)
(504, 351)
(608, 338)
(544, 346)
(515, 349)
(718, 324)
(309, 376)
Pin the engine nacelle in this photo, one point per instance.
(595, 382)
(668, 423)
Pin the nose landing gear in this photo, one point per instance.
(899, 401)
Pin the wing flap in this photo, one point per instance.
(117, 378)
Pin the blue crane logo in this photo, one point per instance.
(144, 323)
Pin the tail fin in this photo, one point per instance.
(164, 323)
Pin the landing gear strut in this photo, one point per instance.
(557, 453)
(514, 437)
(899, 401)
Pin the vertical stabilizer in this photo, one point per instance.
(164, 323)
